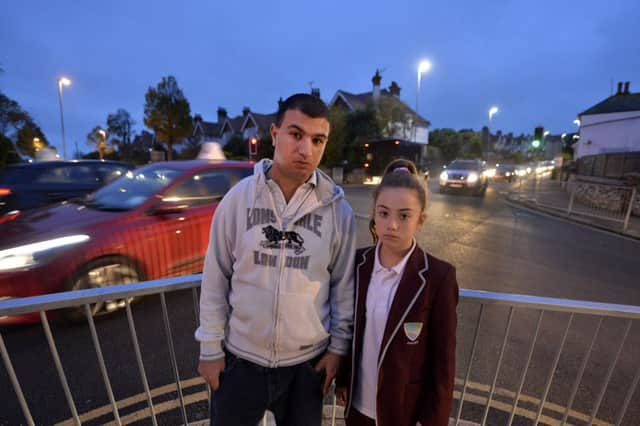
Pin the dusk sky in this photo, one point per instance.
(539, 61)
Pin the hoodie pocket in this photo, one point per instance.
(299, 323)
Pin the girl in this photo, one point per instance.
(402, 365)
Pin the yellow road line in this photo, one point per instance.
(202, 396)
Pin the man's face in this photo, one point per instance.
(299, 144)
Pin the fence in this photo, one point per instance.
(614, 165)
(499, 324)
(596, 200)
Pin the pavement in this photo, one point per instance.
(547, 196)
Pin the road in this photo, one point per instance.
(494, 246)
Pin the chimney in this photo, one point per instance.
(626, 88)
(376, 85)
(619, 92)
(245, 111)
(394, 89)
(315, 92)
(222, 114)
(280, 102)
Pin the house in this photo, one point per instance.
(613, 125)
(405, 123)
(255, 124)
(205, 131)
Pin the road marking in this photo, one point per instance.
(202, 396)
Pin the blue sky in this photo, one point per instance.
(540, 61)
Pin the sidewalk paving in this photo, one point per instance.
(549, 197)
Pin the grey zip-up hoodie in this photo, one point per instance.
(278, 290)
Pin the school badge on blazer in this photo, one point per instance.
(412, 330)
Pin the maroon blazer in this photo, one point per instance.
(416, 364)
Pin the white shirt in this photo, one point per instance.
(382, 289)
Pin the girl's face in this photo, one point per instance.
(398, 216)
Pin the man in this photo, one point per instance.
(276, 308)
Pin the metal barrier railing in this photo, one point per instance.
(541, 306)
(579, 199)
(617, 210)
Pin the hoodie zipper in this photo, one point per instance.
(283, 226)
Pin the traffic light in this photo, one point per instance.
(538, 136)
(253, 146)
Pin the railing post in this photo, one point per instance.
(573, 194)
(632, 201)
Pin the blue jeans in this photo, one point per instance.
(293, 394)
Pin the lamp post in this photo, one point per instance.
(102, 144)
(62, 81)
(423, 67)
(492, 111)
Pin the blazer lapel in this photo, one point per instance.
(407, 293)
(363, 278)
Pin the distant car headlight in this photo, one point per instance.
(508, 174)
(490, 173)
(472, 178)
(444, 176)
(29, 254)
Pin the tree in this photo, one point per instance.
(8, 154)
(168, 113)
(121, 124)
(472, 143)
(31, 139)
(448, 141)
(361, 126)
(11, 114)
(236, 148)
(334, 152)
(393, 121)
(265, 145)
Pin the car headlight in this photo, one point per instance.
(444, 176)
(472, 178)
(29, 254)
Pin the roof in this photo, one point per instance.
(50, 163)
(209, 129)
(617, 103)
(361, 100)
(263, 121)
(235, 123)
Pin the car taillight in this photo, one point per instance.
(4, 192)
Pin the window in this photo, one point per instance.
(206, 187)
(107, 173)
(66, 174)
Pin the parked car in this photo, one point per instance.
(464, 175)
(151, 223)
(30, 185)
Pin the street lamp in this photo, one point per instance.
(62, 81)
(576, 122)
(492, 111)
(423, 67)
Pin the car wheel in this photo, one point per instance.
(100, 273)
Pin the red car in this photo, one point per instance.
(151, 223)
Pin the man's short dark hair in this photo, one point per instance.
(309, 105)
